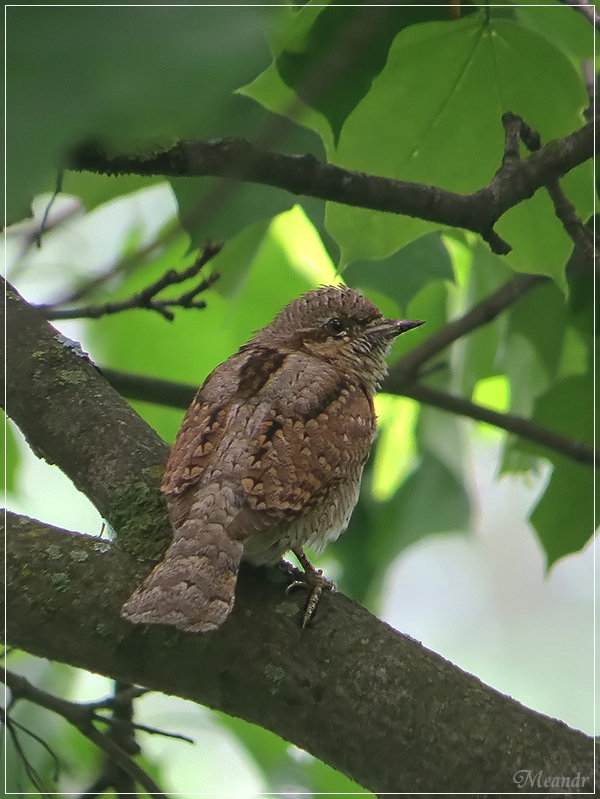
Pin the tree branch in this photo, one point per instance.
(336, 689)
(180, 395)
(73, 418)
(373, 703)
(238, 159)
(81, 716)
(581, 236)
(482, 313)
(516, 130)
(576, 450)
(147, 298)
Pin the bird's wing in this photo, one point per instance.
(297, 426)
(209, 420)
(305, 446)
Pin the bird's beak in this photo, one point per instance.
(393, 327)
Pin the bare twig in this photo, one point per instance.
(576, 450)
(36, 780)
(582, 237)
(125, 264)
(57, 190)
(147, 298)
(112, 774)
(240, 160)
(82, 716)
(480, 314)
(587, 9)
(516, 130)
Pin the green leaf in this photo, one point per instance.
(535, 327)
(349, 45)
(549, 340)
(475, 356)
(564, 515)
(416, 515)
(568, 31)
(405, 273)
(131, 76)
(431, 136)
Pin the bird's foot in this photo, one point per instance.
(314, 581)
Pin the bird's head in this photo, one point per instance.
(340, 326)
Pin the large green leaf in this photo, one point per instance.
(431, 135)
(331, 63)
(475, 356)
(571, 32)
(564, 515)
(131, 76)
(405, 273)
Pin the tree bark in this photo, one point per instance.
(371, 702)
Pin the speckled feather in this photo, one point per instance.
(269, 455)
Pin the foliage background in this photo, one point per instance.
(478, 592)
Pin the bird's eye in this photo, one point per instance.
(335, 326)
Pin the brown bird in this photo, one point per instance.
(269, 456)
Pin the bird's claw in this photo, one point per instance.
(313, 580)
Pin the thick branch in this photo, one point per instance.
(240, 160)
(72, 417)
(373, 703)
(349, 689)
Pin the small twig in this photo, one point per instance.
(122, 733)
(147, 297)
(55, 761)
(125, 694)
(126, 264)
(582, 237)
(488, 309)
(81, 716)
(577, 450)
(57, 190)
(516, 130)
(12, 726)
(176, 736)
(587, 9)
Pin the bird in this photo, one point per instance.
(269, 456)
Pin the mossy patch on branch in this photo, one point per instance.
(139, 517)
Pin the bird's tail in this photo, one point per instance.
(193, 587)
